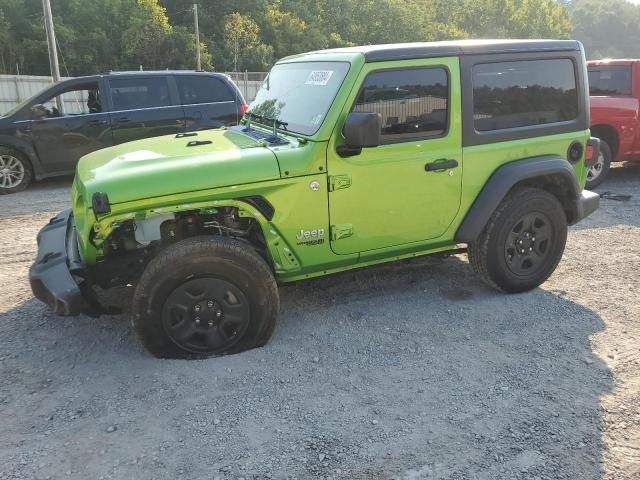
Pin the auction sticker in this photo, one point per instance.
(319, 77)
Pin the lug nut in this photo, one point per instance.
(218, 313)
(533, 239)
(210, 303)
(197, 308)
(530, 249)
(197, 319)
(211, 324)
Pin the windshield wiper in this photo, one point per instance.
(264, 119)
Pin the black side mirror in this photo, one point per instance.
(38, 111)
(361, 130)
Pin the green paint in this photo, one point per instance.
(375, 207)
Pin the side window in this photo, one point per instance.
(133, 93)
(77, 100)
(523, 93)
(413, 103)
(610, 80)
(203, 89)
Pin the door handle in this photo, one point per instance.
(442, 164)
(123, 120)
(97, 122)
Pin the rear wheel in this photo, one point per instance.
(205, 296)
(522, 243)
(16, 173)
(598, 171)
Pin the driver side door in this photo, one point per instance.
(62, 137)
(407, 189)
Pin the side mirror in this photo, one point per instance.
(38, 111)
(361, 130)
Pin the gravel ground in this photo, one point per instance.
(408, 371)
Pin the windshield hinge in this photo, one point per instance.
(337, 182)
(343, 230)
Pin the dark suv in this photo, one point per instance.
(47, 134)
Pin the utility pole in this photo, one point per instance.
(51, 41)
(53, 51)
(195, 20)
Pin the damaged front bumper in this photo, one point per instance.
(54, 276)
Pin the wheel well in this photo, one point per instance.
(609, 135)
(133, 243)
(558, 186)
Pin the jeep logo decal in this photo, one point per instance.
(310, 237)
(306, 234)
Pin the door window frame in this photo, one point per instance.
(58, 89)
(173, 92)
(414, 67)
(232, 93)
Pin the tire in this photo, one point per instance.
(598, 172)
(203, 297)
(507, 255)
(16, 172)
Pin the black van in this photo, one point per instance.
(47, 134)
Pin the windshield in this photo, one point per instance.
(299, 94)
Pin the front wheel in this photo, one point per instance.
(205, 296)
(522, 243)
(16, 173)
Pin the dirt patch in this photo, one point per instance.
(412, 370)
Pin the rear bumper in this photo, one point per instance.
(51, 277)
(586, 203)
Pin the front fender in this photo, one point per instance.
(282, 256)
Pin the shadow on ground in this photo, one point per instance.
(409, 370)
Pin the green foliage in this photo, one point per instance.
(608, 29)
(100, 35)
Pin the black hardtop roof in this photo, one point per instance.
(405, 51)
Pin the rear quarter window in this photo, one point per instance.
(523, 93)
(195, 89)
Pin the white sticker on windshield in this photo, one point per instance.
(319, 77)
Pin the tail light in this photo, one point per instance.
(589, 155)
(243, 108)
(593, 151)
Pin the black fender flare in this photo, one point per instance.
(503, 180)
(27, 149)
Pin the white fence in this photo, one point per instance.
(16, 88)
(248, 82)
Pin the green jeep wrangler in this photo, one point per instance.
(346, 158)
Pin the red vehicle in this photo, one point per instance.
(614, 89)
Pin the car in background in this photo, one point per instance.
(47, 134)
(614, 89)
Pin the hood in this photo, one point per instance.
(174, 164)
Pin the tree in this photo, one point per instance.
(241, 37)
(102, 35)
(607, 29)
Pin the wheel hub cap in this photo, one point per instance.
(528, 244)
(205, 315)
(11, 171)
